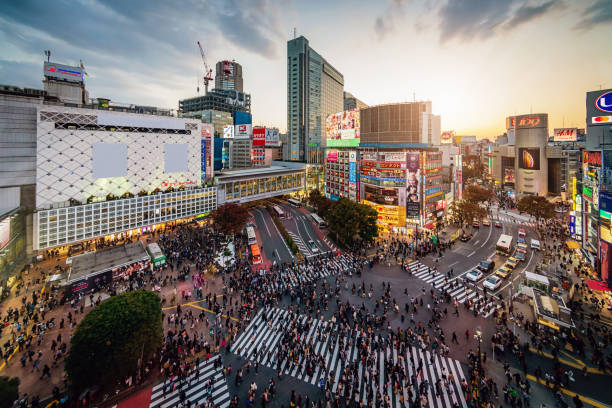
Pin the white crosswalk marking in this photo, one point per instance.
(207, 383)
(343, 356)
(300, 243)
(455, 288)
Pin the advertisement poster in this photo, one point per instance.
(243, 131)
(509, 175)
(447, 137)
(565, 135)
(413, 198)
(259, 137)
(228, 132)
(353, 175)
(529, 158)
(604, 260)
(332, 156)
(383, 196)
(272, 138)
(572, 225)
(342, 129)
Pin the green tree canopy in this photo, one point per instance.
(321, 203)
(9, 391)
(351, 222)
(230, 218)
(465, 211)
(536, 206)
(110, 340)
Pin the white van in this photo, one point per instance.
(535, 244)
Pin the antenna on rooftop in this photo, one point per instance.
(295, 34)
(48, 55)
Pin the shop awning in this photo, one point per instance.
(572, 245)
(596, 285)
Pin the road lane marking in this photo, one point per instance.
(473, 252)
(530, 258)
(570, 393)
(490, 231)
(476, 243)
(453, 264)
(266, 224)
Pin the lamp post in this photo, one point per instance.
(478, 337)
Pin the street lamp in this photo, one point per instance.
(478, 337)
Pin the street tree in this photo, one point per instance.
(536, 206)
(320, 203)
(115, 339)
(351, 223)
(463, 211)
(9, 391)
(477, 195)
(230, 218)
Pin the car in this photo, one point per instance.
(474, 275)
(486, 266)
(503, 272)
(498, 224)
(486, 222)
(535, 244)
(519, 255)
(476, 224)
(522, 232)
(313, 246)
(521, 247)
(520, 240)
(512, 262)
(492, 282)
(465, 237)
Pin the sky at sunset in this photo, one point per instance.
(478, 61)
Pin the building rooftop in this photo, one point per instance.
(94, 263)
(277, 167)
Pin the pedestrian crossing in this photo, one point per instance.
(291, 277)
(455, 287)
(507, 219)
(341, 361)
(209, 385)
(300, 243)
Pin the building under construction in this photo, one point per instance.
(223, 100)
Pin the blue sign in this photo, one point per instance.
(572, 225)
(243, 118)
(604, 102)
(605, 201)
(203, 162)
(352, 172)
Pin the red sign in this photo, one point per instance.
(367, 163)
(259, 137)
(529, 121)
(390, 165)
(592, 158)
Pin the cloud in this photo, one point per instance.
(465, 20)
(385, 23)
(598, 13)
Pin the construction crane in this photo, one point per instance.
(207, 71)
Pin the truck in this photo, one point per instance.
(504, 245)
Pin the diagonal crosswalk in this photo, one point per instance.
(291, 277)
(456, 289)
(300, 243)
(209, 385)
(321, 354)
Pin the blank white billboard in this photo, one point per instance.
(109, 160)
(175, 158)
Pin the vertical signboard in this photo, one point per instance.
(604, 259)
(413, 199)
(353, 175)
(228, 132)
(572, 225)
(259, 137)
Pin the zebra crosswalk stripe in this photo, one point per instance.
(195, 388)
(258, 342)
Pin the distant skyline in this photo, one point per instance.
(478, 61)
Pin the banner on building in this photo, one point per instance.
(413, 199)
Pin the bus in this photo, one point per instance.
(255, 254)
(318, 220)
(278, 211)
(251, 235)
(294, 202)
(504, 245)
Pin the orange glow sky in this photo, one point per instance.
(478, 61)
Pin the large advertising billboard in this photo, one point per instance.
(64, 72)
(272, 138)
(228, 132)
(342, 129)
(599, 107)
(565, 135)
(447, 137)
(332, 156)
(385, 196)
(5, 232)
(529, 158)
(509, 175)
(259, 137)
(243, 131)
(413, 198)
(243, 118)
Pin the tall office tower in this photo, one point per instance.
(228, 76)
(314, 91)
(351, 102)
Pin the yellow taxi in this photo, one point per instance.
(512, 262)
(503, 272)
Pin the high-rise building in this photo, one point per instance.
(228, 76)
(399, 124)
(223, 100)
(351, 102)
(314, 91)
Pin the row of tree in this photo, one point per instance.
(474, 204)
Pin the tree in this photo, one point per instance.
(315, 197)
(465, 211)
(321, 203)
(9, 391)
(351, 222)
(230, 218)
(109, 342)
(476, 194)
(536, 206)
